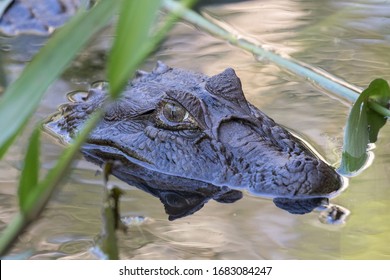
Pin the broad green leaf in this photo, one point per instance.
(363, 126)
(356, 139)
(375, 122)
(30, 173)
(3, 6)
(23, 96)
(379, 92)
(130, 46)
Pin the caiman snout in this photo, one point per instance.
(271, 161)
(300, 176)
(312, 176)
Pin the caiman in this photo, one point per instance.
(174, 128)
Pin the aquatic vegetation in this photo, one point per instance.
(18, 103)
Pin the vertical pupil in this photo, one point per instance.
(173, 112)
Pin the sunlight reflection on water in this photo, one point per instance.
(350, 42)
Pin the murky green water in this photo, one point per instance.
(349, 39)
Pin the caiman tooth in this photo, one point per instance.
(161, 68)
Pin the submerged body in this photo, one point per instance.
(186, 127)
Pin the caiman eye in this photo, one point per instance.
(172, 115)
(174, 112)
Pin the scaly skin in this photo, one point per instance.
(190, 126)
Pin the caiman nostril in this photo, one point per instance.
(296, 166)
(77, 96)
(297, 163)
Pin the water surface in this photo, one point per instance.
(348, 39)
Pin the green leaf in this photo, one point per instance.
(363, 126)
(30, 173)
(375, 122)
(379, 92)
(23, 96)
(132, 36)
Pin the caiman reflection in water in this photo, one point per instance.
(182, 197)
(188, 138)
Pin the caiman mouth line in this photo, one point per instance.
(128, 154)
(118, 154)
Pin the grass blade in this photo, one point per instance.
(133, 33)
(38, 197)
(23, 96)
(3, 76)
(35, 202)
(127, 54)
(30, 173)
(39, 194)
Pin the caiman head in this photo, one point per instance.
(188, 125)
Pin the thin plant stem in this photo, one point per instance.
(310, 73)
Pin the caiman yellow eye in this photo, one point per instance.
(172, 115)
(174, 112)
